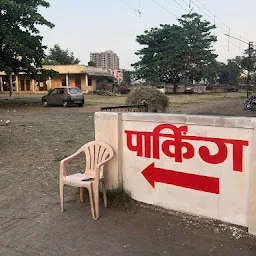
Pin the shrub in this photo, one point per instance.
(156, 100)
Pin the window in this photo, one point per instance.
(53, 92)
(63, 82)
(89, 82)
(61, 91)
(74, 90)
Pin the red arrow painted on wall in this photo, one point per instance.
(181, 179)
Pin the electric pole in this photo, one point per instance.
(249, 64)
(250, 50)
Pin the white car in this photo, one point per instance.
(161, 88)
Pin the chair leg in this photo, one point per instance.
(104, 192)
(62, 196)
(96, 201)
(91, 201)
(81, 194)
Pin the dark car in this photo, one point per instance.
(64, 96)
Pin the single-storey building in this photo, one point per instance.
(86, 78)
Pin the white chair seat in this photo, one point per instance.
(76, 180)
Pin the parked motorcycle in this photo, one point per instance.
(250, 102)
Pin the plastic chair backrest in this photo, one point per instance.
(96, 153)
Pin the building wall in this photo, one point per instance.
(25, 84)
(107, 59)
(76, 74)
(195, 164)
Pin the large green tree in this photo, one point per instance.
(58, 56)
(211, 72)
(21, 48)
(172, 52)
(230, 72)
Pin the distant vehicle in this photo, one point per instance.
(164, 89)
(250, 102)
(189, 89)
(64, 96)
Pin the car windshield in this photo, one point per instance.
(74, 90)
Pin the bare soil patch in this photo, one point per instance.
(31, 223)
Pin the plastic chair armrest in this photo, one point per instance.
(64, 162)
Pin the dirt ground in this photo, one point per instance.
(31, 223)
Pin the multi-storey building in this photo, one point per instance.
(107, 59)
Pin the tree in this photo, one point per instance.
(91, 64)
(230, 73)
(175, 51)
(211, 72)
(127, 76)
(58, 56)
(21, 48)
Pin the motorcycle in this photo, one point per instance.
(248, 104)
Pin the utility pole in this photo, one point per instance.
(249, 65)
(250, 50)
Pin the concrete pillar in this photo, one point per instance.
(33, 85)
(50, 82)
(17, 83)
(107, 124)
(86, 83)
(1, 84)
(67, 80)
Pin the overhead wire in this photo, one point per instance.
(219, 35)
(180, 5)
(165, 8)
(227, 28)
(133, 8)
(222, 29)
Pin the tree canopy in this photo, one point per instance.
(91, 64)
(172, 52)
(58, 56)
(21, 48)
(127, 76)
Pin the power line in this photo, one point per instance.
(130, 6)
(165, 8)
(180, 5)
(219, 36)
(218, 26)
(214, 15)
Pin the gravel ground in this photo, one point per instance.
(31, 223)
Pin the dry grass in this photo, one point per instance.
(155, 100)
(98, 100)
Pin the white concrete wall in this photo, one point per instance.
(223, 189)
(108, 129)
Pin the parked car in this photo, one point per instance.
(189, 89)
(64, 96)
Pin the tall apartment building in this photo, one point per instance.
(107, 59)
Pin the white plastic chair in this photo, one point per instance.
(97, 154)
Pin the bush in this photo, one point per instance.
(156, 100)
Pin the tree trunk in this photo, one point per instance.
(10, 85)
(175, 86)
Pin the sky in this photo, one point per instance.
(84, 26)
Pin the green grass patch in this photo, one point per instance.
(119, 198)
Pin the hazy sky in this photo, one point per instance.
(83, 26)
